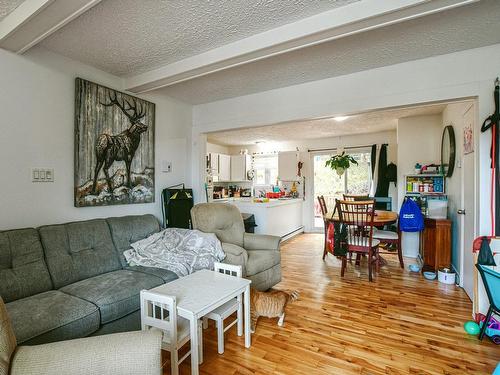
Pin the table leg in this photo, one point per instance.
(240, 315)
(193, 327)
(246, 298)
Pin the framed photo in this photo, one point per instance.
(468, 139)
(114, 147)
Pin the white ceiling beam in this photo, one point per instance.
(334, 24)
(35, 20)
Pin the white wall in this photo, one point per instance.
(464, 74)
(37, 130)
(419, 140)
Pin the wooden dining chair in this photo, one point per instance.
(389, 238)
(324, 211)
(358, 217)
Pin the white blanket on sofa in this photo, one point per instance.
(182, 251)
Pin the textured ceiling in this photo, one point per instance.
(370, 122)
(126, 37)
(454, 30)
(8, 6)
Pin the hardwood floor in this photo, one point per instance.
(399, 324)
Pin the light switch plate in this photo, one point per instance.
(42, 175)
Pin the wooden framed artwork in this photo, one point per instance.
(114, 147)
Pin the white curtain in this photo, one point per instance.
(373, 187)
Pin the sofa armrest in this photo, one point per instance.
(119, 353)
(253, 241)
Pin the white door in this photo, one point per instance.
(466, 213)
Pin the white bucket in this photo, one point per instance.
(446, 276)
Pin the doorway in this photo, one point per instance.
(355, 180)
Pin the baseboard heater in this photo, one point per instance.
(292, 233)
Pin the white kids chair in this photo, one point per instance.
(159, 311)
(230, 307)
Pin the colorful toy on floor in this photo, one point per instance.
(471, 327)
(492, 329)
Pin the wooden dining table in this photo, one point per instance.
(380, 219)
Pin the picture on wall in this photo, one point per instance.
(468, 139)
(114, 147)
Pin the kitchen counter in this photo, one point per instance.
(241, 202)
(278, 217)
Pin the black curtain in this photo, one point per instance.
(383, 181)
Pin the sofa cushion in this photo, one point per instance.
(166, 275)
(224, 220)
(77, 251)
(261, 260)
(115, 293)
(23, 271)
(7, 339)
(126, 230)
(52, 316)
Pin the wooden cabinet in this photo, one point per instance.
(224, 167)
(287, 166)
(435, 246)
(240, 165)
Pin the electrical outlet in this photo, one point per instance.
(166, 166)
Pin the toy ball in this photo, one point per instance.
(472, 328)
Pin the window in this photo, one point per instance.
(266, 169)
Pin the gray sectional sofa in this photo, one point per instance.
(71, 280)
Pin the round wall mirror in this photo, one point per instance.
(448, 151)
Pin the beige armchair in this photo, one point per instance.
(259, 255)
(120, 353)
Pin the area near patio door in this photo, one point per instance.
(355, 180)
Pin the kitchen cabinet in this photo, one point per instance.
(224, 167)
(435, 244)
(287, 166)
(213, 165)
(240, 165)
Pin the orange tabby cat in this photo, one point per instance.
(270, 305)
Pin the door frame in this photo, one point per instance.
(462, 246)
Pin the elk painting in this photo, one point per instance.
(114, 147)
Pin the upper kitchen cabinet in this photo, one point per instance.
(213, 165)
(240, 165)
(220, 166)
(287, 165)
(224, 167)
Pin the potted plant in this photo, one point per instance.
(340, 162)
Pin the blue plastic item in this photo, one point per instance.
(410, 217)
(491, 281)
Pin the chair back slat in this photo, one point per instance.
(228, 269)
(355, 198)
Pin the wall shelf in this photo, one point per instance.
(425, 184)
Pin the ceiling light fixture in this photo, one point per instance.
(340, 118)
(260, 142)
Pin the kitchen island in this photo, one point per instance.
(278, 217)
